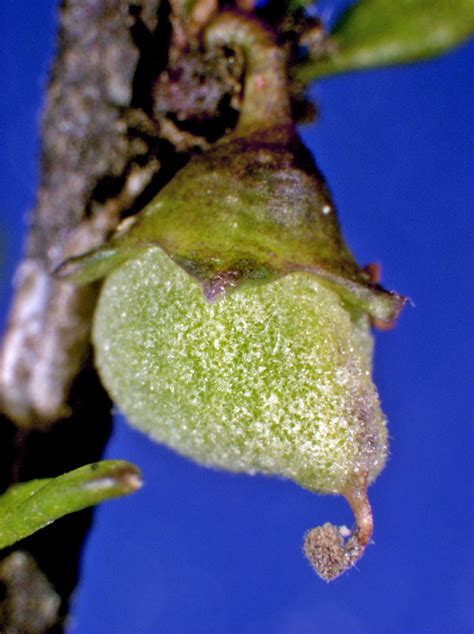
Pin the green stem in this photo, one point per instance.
(266, 101)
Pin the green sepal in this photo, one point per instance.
(255, 206)
(250, 210)
(374, 33)
(29, 506)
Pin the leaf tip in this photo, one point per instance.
(117, 477)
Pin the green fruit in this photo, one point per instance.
(271, 379)
(233, 324)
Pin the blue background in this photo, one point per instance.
(202, 552)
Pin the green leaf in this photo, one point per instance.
(29, 506)
(375, 33)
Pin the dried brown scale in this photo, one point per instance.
(193, 88)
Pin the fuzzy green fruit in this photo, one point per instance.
(233, 325)
(272, 378)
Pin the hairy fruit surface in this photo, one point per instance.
(233, 325)
(272, 378)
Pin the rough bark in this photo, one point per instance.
(55, 414)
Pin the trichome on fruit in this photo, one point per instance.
(234, 323)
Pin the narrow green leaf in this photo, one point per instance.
(29, 506)
(375, 33)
